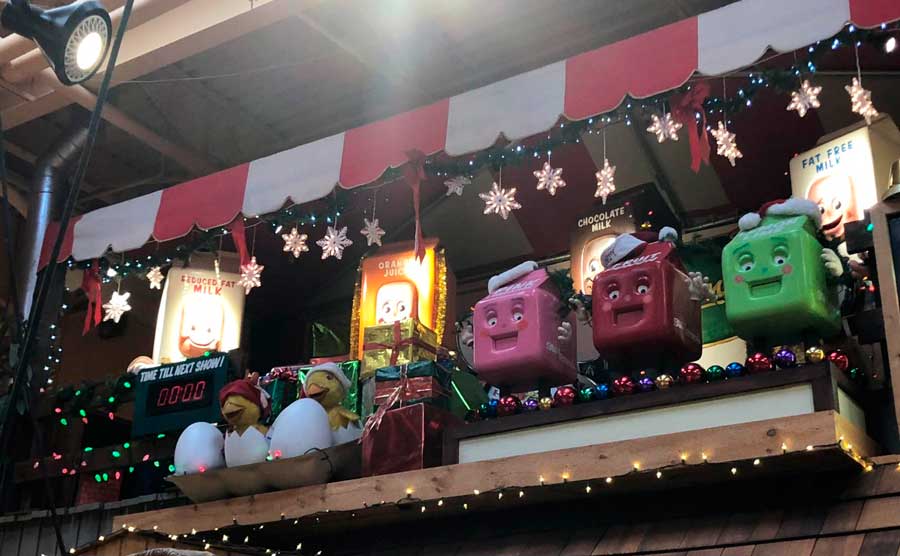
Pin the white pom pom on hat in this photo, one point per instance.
(794, 206)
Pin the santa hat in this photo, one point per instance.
(332, 368)
(511, 275)
(794, 206)
(627, 246)
(249, 389)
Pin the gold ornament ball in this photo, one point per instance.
(663, 381)
(545, 403)
(815, 354)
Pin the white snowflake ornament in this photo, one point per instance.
(295, 243)
(372, 231)
(549, 178)
(334, 242)
(500, 201)
(116, 306)
(725, 144)
(606, 183)
(664, 128)
(456, 185)
(155, 277)
(861, 100)
(805, 99)
(251, 275)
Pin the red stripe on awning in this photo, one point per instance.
(371, 149)
(644, 65)
(206, 202)
(50, 237)
(872, 13)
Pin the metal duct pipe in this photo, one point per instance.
(47, 188)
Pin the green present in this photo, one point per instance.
(466, 393)
(418, 369)
(352, 400)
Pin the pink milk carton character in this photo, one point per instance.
(521, 340)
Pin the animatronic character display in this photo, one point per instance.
(835, 194)
(779, 281)
(591, 260)
(244, 404)
(396, 301)
(523, 331)
(328, 385)
(645, 307)
(202, 325)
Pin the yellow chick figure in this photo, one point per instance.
(328, 385)
(243, 405)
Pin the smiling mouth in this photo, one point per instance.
(628, 317)
(506, 341)
(833, 224)
(767, 287)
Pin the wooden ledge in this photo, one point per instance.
(780, 445)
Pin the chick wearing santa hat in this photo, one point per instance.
(244, 404)
(328, 385)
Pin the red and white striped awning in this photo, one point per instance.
(585, 85)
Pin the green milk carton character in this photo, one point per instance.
(779, 281)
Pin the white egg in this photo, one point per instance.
(199, 448)
(299, 428)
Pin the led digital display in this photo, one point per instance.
(179, 395)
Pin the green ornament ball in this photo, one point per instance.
(585, 394)
(714, 372)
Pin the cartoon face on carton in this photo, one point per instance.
(395, 301)
(836, 196)
(775, 281)
(516, 336)
(642, 310)
(202, 325)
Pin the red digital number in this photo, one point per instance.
(188, 391)
(163, 394)
(201, 387)
(192, 391)
(174, 394)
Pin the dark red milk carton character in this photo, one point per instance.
(645, 306)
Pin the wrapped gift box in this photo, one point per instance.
(351, 370)
(284, 385)
(403, 342)
(408, 438)
(424, 389)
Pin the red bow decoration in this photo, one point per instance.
(684, 109)
(90, 283)
(414, 173)
(240, 239)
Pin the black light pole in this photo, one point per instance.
(69, 38)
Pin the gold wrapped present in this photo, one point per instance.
(400, 343)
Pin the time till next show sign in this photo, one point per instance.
(173, 396)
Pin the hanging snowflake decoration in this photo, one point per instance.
(664, 128)
(861, 100)
(295, 243)
(549, 178)
(805, 99)
(155, 277)
(372, 231)
(251, 275)
(500, 201)
(334, 242)
(606, 183)
(725, 144)
(456, 185)
(116, 306)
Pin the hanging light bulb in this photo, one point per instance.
(890, 45)
(73, 38)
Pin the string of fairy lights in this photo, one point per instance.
(239, 536)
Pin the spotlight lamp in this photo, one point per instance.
(74, 38)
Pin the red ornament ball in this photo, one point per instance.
(509, 405)
(759, 363)
(565, 395)
(623, 385)
(692, 372)
(840, 359)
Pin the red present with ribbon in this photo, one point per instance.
(420, 388)
(407, 438)
(400, 343)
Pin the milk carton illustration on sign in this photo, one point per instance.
(521, 340)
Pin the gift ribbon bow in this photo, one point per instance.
(374, 421)
(90, 283)
(684, 109)
(398, 344)
(414, 173)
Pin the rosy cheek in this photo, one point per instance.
(484, 334)
(606, 307)
(738, 279)
(648, 299)
(787, 269)
(522, 324)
